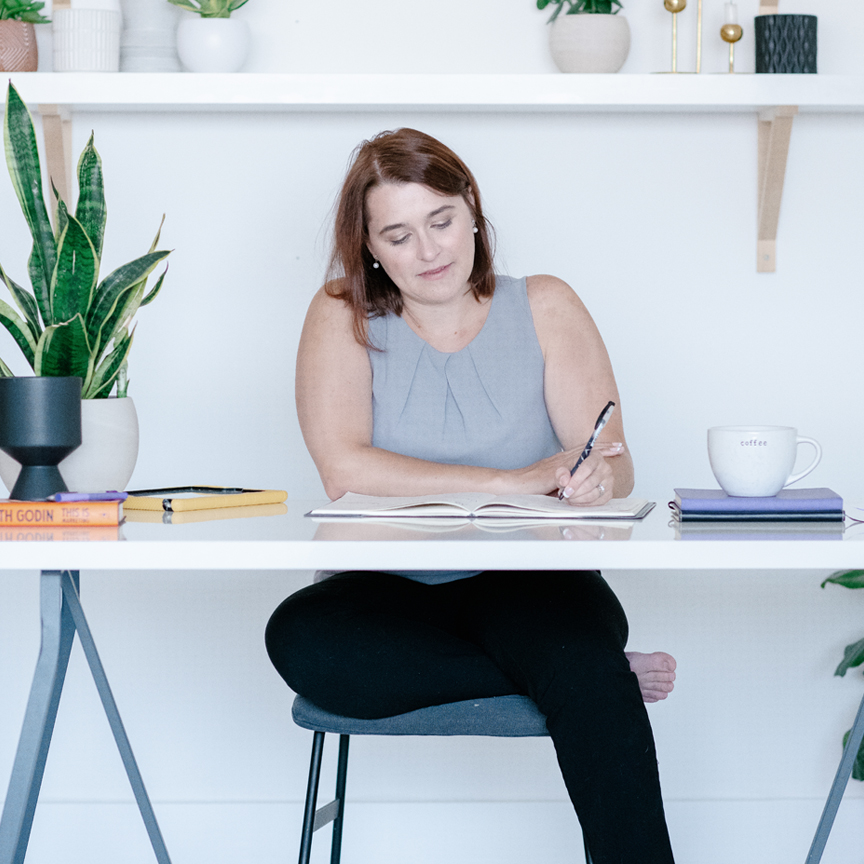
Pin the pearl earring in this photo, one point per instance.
(474, 227)
(375, 265)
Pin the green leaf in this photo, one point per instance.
(123, 381)
(63, 350)
(858, 764)
(62, 214)
(105, 303)
(91, 211)
(5, 371)
(152, 295)
(122, 313)
(846, 578)
(25, 302)
(76, 273)
(22, 157)
(108, 370)
(20, 331)
(853, 655)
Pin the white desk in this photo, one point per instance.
(292, 542)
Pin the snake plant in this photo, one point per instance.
(210, 8)
(71, 324)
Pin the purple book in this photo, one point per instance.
(791, 501)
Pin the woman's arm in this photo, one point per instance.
(578, 384)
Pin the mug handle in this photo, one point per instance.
(811, 466)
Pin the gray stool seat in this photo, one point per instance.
(499, 716)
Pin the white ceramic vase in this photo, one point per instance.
(589, 42)
(86, 40)
(106, 458)
(213, 44)
(148, 42)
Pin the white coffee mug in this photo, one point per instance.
(756, 461)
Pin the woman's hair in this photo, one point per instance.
(403, 156)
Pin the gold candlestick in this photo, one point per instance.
(699, 37)
(731, 33)
(674, 6)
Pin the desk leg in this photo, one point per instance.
(838, 787)
(62, 615)
(58, 631)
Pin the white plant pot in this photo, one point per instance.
(106, 458)
(213, 44)
(86, 40)
(589, 42)
(149, 39)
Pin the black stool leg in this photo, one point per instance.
(341, 776)
(311, 798)
(588, 859)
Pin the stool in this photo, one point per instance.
(500, 716)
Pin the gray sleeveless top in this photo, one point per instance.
(482, 405)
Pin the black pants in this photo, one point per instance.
(374, 645)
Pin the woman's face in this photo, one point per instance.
(422, 239)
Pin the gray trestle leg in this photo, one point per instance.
(62, 615)
(838, 787)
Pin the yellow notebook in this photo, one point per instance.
(178, 499)
(188, 517)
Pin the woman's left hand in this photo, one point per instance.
(593, 483)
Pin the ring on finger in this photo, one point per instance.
(602, 488)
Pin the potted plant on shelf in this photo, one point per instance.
(18, 51)
(214, 41)
(589, 37)
(73, 324)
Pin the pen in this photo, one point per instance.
(90, 496)
(605, 414)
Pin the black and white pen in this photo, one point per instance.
(605, 414)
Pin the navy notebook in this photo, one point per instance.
(794, 505)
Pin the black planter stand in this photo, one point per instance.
(786, 43)
(40, 425)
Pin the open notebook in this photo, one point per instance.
(477, 505)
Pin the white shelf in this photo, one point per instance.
(519, 93)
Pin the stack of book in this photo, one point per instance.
(789, 505)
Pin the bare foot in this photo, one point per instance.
(656, 673)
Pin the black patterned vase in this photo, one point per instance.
(786, 43)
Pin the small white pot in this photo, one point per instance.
(86, 40)
(148, 42)
(106, 458)
(589, 42)
(213, 44)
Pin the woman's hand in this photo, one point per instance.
(593, 483)
(550, 475)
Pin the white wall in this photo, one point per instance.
(652, 218)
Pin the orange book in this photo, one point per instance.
(52, 514)
(73, 534)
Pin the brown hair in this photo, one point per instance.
(403, 156)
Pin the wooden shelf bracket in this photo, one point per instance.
(775, 131)
(57, 133)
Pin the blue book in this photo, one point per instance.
(714, 505)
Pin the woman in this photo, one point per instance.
(420, 371)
